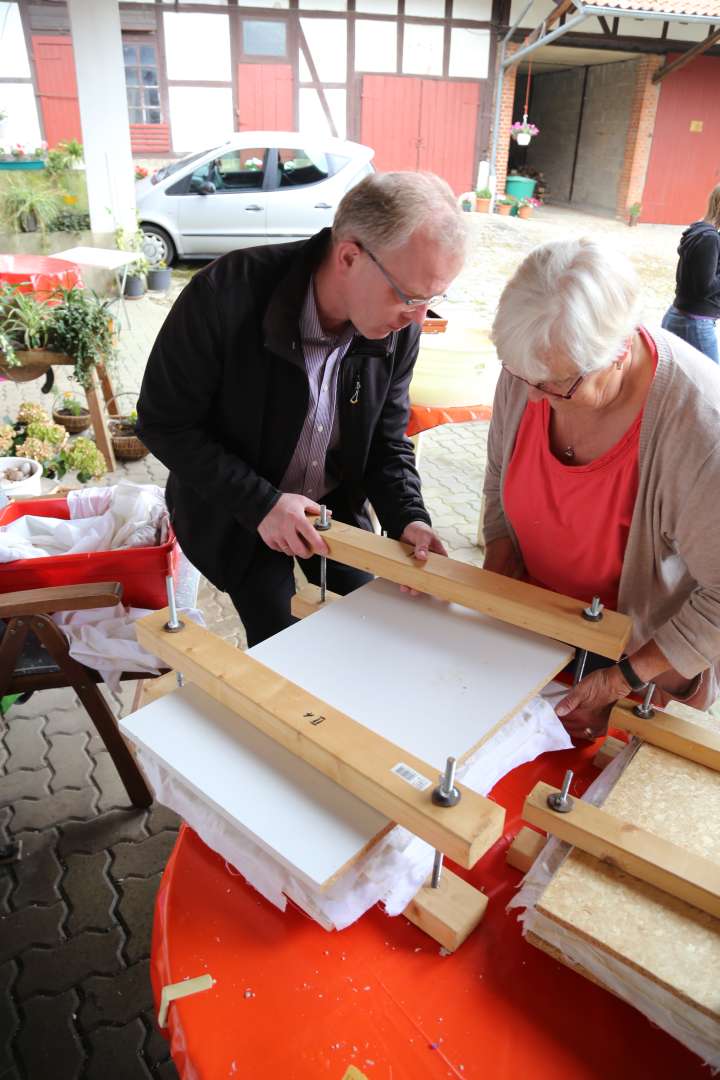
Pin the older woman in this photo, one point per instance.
(603, 474)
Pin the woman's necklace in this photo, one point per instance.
(568, 452)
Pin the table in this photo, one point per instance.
(291, 1000)
(105, 259)
(39, 274)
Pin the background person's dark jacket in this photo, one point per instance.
(224, 398)
(698, 271)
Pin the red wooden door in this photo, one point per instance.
(57, 88)
(265, 97)
(422, 124)
(684, 164)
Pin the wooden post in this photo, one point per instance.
(449, 913)
(525, 849)
(99, 423)
(679, 736)
(306, 601)
(108, 393)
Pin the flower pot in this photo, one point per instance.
(159, 280)
(523, 138)
(23, 163)
(524, 211)
(134, 287)
(34, 363)
(434, 324)
(125, 442)
(504, 209)
(482, 206)
(29, 485)
(72, 423)
(633, 220)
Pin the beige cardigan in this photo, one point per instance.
(670, 581)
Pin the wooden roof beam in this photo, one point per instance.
(681, 61)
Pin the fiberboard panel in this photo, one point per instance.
(436, 679)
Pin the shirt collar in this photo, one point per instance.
(311, 330)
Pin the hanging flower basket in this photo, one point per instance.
(522, 131)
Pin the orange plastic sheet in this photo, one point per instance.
(424, 417)
(38, 274)
(379, 1000)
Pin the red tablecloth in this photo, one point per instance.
(424, 417)
(293, 1001)
(38, 274)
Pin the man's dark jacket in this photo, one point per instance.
(224, 399)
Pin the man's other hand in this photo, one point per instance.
(287, 528)
(423, 540)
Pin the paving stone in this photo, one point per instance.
(9, 1018)
(44, 701)
(53, 809)
(22, 931)
(67, 721)
(142, 859)
(107, 780)
(89, 893)
(38, 871)
(48, 1043)
(136, 908)
(69, 760)
(25, 743)
(161, 817)
(102, 831)
(51, 971)
(117, 998)
(24, 784)
(110, 1045)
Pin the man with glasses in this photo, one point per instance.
(279, 381)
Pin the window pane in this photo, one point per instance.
(147, 55)
(152, 97)
(136, 116)
(131, 76)
(134, 97)
(298, 167)
(264, 38)
(238, 170)
(149, 76)
(153, 116)
(129, 54)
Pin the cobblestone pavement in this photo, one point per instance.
(76, 911)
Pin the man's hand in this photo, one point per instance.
(286, 527)
(586, 709)
(424, 540)
(502, 558)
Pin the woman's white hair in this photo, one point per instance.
(385, 209)
(570, 304)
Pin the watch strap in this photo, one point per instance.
(630, 674)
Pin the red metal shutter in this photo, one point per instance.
(265, 97)
(150, 138)
(57, 88)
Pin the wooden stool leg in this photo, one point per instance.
(97, 416)
(108, 393)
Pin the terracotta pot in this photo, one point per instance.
(504, 209)
(524, 211)
(34, 363)
(434, 324)
(482, 205)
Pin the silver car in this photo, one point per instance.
(260, 187)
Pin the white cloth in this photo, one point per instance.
(101, 519)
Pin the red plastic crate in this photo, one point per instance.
(141, 571)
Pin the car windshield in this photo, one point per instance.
(173, 166)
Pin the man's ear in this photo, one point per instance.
(346, 252)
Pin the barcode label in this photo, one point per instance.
(415, 778)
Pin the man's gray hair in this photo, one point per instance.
(385, 209)
(570, 301)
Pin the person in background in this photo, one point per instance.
(696, 305)
(603, 473)
(279, 381)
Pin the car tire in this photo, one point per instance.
(157, 246)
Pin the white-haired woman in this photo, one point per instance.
(603, 474)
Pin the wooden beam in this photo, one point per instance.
(335, 744)
(561, 9)
(306, 601)
(681, 61)
(658, 862)
(449, 913)
(504, 598)
(608, 751)
(525, 849)
(672, 733)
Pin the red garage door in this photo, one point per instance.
(422, 124)
(57, 88)
(265, 97)
(684, 160)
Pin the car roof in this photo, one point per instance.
(301, 139)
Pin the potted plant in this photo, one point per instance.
(526, 207)
(27, 207)
(81, 326)
(136, 279)
(466, 205)
(24, 335)
(482, 200)
(504, 205)
(140, 172)
(159, 277)
(125, 440)
(634, 212)
(522, 131)
(71, 413)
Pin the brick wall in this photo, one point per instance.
(506, 119)
(638, 140)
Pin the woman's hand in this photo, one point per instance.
(586, 709)
(502, 557)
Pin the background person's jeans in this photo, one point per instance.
(698, 332)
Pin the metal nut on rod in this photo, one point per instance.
(560, 801)
(446, 794)
(436, 870)
(323, 523)
(594, 611)
(173, 625)
(644, 711)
